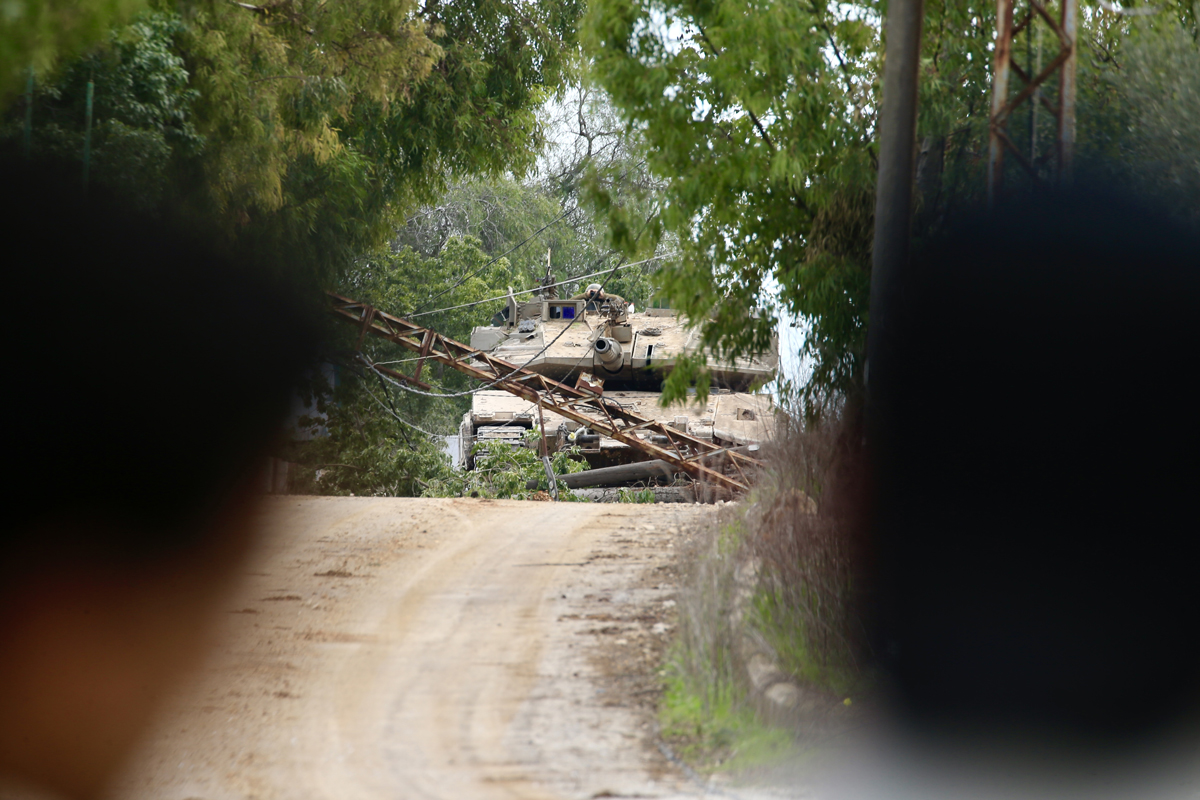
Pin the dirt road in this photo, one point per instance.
(458, 649)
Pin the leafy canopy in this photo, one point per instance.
(303, 131)
(758, 124)
(757, 119)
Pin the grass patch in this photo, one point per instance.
(785, 627)
(704, 712)
(636, 496)
(716, 731)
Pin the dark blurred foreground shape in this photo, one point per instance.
(146, 373)
(1035, 467)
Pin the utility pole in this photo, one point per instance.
(27, 133)
(87, 135)
(549, 290)
(893, 189)
(1066, 29)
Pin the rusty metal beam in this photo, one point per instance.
(1000, 120)
(1024, 76)
(426, 343)
(1066, 30)
(1016, 151)
(1022, 25)
(368, 315)
(606, 418)
(407, 379)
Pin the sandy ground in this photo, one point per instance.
(458, 649)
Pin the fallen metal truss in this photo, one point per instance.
(1065, 30)
(684, 452)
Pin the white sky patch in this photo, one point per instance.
(792, 332)
(672, 33)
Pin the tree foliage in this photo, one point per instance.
(308, 129)
(504, 471)
(1150, 85)
(143, 109)
(38, 34)
(364, 452)
(388, 441)
(758, 122)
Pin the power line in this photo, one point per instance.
(399, 418)
(466, 278)
(412, 390)
(540, 288)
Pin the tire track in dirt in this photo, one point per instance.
(442, 648)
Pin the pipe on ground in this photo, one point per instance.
(626, 473)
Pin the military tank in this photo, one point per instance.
(602, 344)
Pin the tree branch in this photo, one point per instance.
(761, 131)
(758, 125)
(837, 53)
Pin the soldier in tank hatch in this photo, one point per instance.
(595, 296)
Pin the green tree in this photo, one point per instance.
(504, 471)
(38, 34)
(1150, 88)
(758, 123)
(143, 109)
(320, 125)
(757, 120)
(383, 439)
(361, 451)
(333, 117)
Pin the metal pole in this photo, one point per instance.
(1004, 42)
(894, 186)
(87, 135)
(545, 455)
(542, 424)
(551, 478)
(1066, 93)
(27, 138)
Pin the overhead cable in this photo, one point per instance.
(399, 418)
(540, 288)
(466, 278)
(413, 390)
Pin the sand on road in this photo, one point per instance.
(442, 648)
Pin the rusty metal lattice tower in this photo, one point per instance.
(1065, 30)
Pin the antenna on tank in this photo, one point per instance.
(549, 290)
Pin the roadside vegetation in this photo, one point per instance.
(504, 471)
(705, 714)
(779, 573)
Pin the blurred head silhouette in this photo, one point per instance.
(147, 372)
(1036, 451)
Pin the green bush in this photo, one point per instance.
(636, 496)
(503, 471)
(717, 730)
